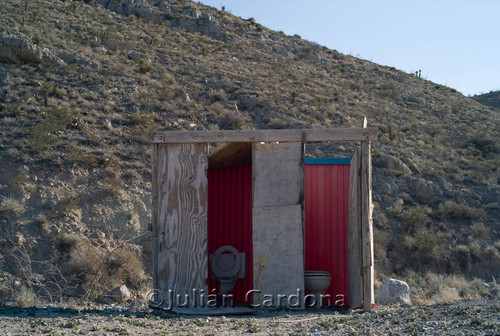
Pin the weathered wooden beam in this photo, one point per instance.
(288, 135)
(355, 264)
(234, 153)
(367, 224)
(154, 216)
(180, 183)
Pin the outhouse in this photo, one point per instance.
(262, 200)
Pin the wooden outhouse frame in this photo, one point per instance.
(179, 194)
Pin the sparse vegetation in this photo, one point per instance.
(11, 207)
(75, 151)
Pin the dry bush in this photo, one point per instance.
(432, 288)
(24, 297)
(11, 206)
(95, 271)
(479, 230)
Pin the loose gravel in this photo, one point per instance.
(460, 318)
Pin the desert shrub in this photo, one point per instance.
(143, 123)
(416, 216)
(145, 66)
(392, 132)
(479, 230)
(11, 206)
(19, 179)
(43, 221)
(431, 288)
(66, 243)
(420, 243)
(44, 133)
(424, 248)
(77, 156)
(497, 245)
(226, 119)
(486, 145)
(37, 39)
(459, 211)
(93, 271)
(141, 117)
(97, 272)
(24, 297)
(124, 266)
(113, 186)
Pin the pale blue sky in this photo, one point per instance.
(453, 42)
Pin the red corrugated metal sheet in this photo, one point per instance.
(326, 201)
(230, 219)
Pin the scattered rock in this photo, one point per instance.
(495, 292)
(412, 165)
(120, 294)
(391, 162)
(19, 239)
(18, 50)
(386, 189)
(339, 118)
(395, 292)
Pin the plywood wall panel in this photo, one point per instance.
(182, 191)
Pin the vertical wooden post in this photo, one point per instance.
(367, 223)
(180, 188)
(154, 216)
(355, 264)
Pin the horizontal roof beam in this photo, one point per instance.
(280, 135)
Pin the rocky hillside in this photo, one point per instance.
(83, 83)
(489, 99)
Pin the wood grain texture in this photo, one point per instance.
(181, 185)
(288, 135)
(354, 234)
(278, 174)
(234, 153)
(154, 215)
(367, 224)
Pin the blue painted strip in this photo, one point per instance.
(328, 161)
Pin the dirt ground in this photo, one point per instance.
(460, 318)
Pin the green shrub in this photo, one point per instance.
(37, 39)
(417, 216)
(459, 211)
(391, 131)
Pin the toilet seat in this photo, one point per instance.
(226, 262)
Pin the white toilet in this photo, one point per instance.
(227, 265)
(317, 283)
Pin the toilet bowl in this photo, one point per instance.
(227, 265)
(316, 282)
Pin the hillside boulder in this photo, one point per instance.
(18, 50)
(391, 162)
(120, 294)
(395, 292)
